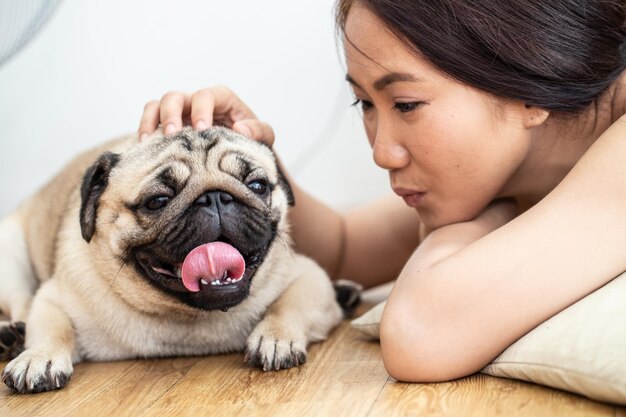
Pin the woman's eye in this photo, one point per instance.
(157, 203)
(258, 187)
(363, 104)
(406, 107)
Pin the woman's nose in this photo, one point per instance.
(389, 155)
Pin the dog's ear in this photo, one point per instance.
(94, 183)
(282, 180)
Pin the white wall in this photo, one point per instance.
(86, 76)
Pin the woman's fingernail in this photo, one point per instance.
(170, 129)
(200, 125)
(142, 136)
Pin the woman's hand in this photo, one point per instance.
(216, 105)
(443, 242)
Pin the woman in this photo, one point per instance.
(501, 126)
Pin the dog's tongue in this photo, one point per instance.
(210, 262)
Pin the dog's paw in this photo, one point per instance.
(37, 371)
(11, 339)
(348, 294)
(273, 349)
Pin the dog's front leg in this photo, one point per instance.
(17, 286)
(46, 364)
(304, 313)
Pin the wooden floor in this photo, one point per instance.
(344, 376)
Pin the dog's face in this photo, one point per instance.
(194, 215)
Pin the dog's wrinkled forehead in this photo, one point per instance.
(216, 157)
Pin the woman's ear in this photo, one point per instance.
(534, 116)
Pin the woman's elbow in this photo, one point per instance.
(423, 353)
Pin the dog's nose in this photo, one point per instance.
(214, 200)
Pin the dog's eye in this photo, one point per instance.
(157, 203)
(258, 186)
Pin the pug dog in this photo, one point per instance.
(172, 246)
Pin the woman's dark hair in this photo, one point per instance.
(560, 55)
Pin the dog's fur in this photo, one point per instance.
(75, 261)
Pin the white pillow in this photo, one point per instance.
(582, 349)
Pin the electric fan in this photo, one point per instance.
(20, 20)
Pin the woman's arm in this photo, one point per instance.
(449, 319)
(369, 245)
(447, 240)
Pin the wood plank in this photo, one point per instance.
(482, 395)
(344, 376)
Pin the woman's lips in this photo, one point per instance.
(411, 198)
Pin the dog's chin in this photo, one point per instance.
(165, 277)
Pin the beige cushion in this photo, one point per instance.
(582, 349)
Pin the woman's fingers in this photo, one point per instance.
(213, 105)
(168, 112)
(149, 119)
(255, 129)
(202, 105)
(174, 106)
(228, 106)
(218, 105)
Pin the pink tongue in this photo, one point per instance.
(209, 262)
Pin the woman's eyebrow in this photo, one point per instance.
(387, 79)
(351, 81)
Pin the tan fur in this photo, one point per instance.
(93, 306)
(42, 214)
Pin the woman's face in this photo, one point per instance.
(449, 149)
